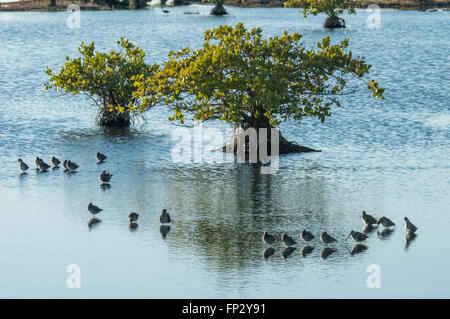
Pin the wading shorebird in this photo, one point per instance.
(22, 166)
(306, 235)
(288, 241)
(327, 239)
(368, 219)
(357, 236)
(64, 164)
(94, 210)
(409, 227)
(37, 161)
(43, 166)
(55, 162)
(164, 218)
(104, 178)
(268, 239)
(100, 157)
(327, 251)
(385, 222)
(288, 251)
(133, 217)
(306, 250)
(269, 251)
(71, 166)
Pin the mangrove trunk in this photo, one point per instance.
(113, 118)
(219, 10)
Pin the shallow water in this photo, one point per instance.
(388, 157)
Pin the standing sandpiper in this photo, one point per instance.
(104, 178)
(164, 218)
(100, 157)
(133, 217)
(71, 166)
(327, 239)
(268, 239)
(94, 210)
(409, 227)
(306, 235)
(55, 162)
(288, 241)
(22, 166)
(357, 236)
(368, 219)
(386, 222)
(43, 166)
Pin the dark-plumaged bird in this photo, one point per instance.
(22, 166)
(268, 239)
(409, 227)
(100, 157)
(37, 160)
(104, 177)
(43, 166)
(55, 162)
(133, 217)
(357, 236)
(327, 239)
(64, 164)
(385, 222)
(164, 218)
(94, 210)
(368, 219)
(306, 235)
(71, 166)
(288, 241)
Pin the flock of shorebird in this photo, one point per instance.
(104, 178)
(325, 238)
(289, 242)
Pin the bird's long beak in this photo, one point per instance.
(348, 236)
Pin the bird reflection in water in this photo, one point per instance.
(385, 233)
(288, 251)
(164, 230)
(93, 221)
(327, 251)
(133, 226)
(306, 250)
(358, 248)
(409, 238)
(269, 251)
(367, 229)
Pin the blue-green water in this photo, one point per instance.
(388, 157)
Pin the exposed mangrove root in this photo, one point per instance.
(113, 118)
(333, 22)
(219, 10)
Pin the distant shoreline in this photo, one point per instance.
(61, 5)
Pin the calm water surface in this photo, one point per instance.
(388, 157)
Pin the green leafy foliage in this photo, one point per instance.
(105, 77)
(240, 77)
(330, 7)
